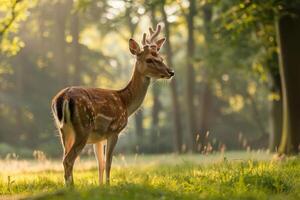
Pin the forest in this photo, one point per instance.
(235, 89)
(227, 92)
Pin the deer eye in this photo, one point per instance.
(154, 54)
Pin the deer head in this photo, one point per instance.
(149, 62)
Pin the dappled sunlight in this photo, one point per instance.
(185, 179)
(187, 99)
(120, 161)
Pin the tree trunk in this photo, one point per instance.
(139, 116)
(288, 35)
(139, 129)
(155, 95)
(276, 125)
(59, 42)
(176, 107)
(19, 72)
(155, 116)
(276, 110)
(206, 96)
(190, 87)
(76, 50)
(206, 110)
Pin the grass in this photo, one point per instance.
(229, 176)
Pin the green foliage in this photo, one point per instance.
(13, 12)
(222, 180)
(235, 53)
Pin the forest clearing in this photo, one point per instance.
(233, 175)
(176, 99)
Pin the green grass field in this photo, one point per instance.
(229, 176)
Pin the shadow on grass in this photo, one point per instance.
(122, 191)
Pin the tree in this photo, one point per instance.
(276, 102)
(76, 48)
(177, 128)
(288, 38)
(62, 9)
(206, 96)
(156, 107)
(190, 87)
(139, 115)
(254, 20)
(286, 14)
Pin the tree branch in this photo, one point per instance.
(11, 20)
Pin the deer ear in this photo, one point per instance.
(134, 47)
(159, 43)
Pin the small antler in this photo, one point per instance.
(151, 30)
(144, 39)
(153, 35)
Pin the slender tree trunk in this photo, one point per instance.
(23, 135)
(176, 106)
(205, 111)
(59, 42)
(139, 115)
(155, 95)
(276, 125)
(76, 49)
(276, 111)
(190, 87)
(289, 43)
(19, 72)
(155, 116)
(139, 129)
(206, 97)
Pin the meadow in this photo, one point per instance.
(233, 175)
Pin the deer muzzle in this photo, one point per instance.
(171, 73)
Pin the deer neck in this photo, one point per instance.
(134, 93)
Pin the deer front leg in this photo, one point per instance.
(111, 143)
(100, 151)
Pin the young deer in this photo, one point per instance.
(96, 116)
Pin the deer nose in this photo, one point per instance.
(171, 72)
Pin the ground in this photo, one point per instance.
(233, 175)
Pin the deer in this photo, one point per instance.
(87, 115)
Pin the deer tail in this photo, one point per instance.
(66, 116)
(61, 111)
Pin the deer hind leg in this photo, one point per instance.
(111, 143)
(67, 138)
(100, 151)
(71, 154)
